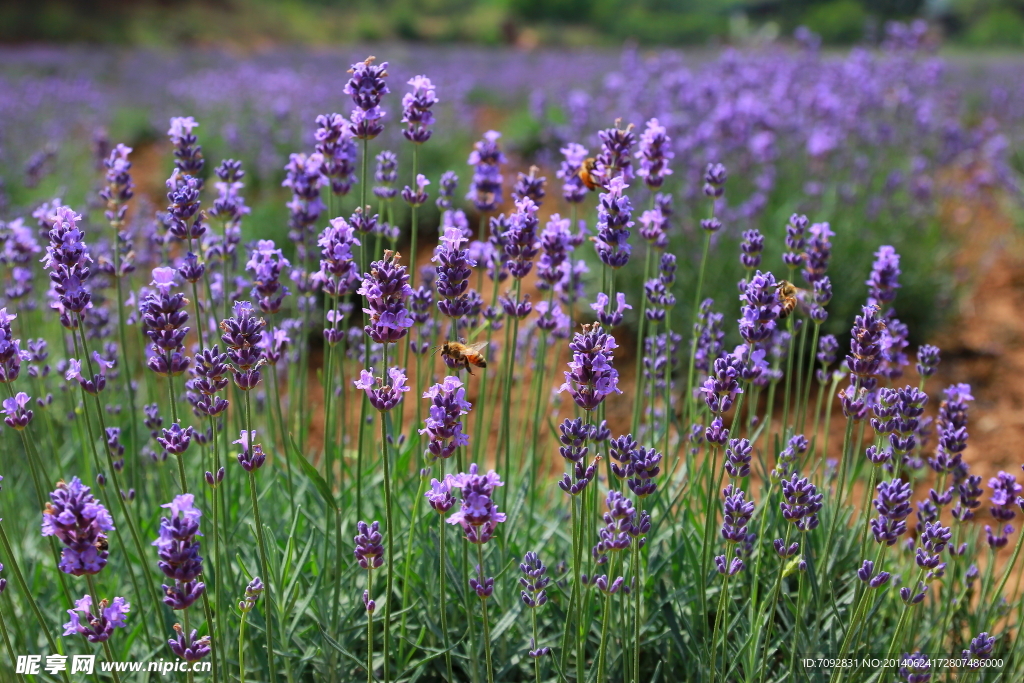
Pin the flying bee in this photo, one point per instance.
(459, 355)
(792, 297)
(102, 545)
(588, 176)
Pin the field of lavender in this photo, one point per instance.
(648, 399)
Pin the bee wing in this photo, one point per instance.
(476, 347)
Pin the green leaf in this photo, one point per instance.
(314, 476)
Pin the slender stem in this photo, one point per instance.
(487, 628)
(241, 650)
(369, 629)
(638, 590)
(7, 644)
(408, 561)
(719, 615)
(264, 564)
(391, 532)
(442, 600)
(536, 645)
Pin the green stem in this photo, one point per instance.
(442, 600)
(487, 627)
(241, 650)
(687, 397)
(638, 382)
(369, 629)
(391, 532)
(264, 564)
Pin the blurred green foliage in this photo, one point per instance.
(253, 23)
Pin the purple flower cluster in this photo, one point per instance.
(334, 144)
(265, 263)
(952, 429)
(81, 523)
(1003, 499)
(446, 190)
(817, 252)
(761, 306)
(67, 258)
(338, 272)
(530, 185)
(802, 502)
(17, 414)
(303, 174)
(615, 535)
(573, 435)
(884, 279)
(184, 219)
(97, 628)
(443, 426)
(384, 394)
(654, 155)
(533, 582)
(659, 289)
(615, 160)
(191, 649)
(163, 318)
(416, 109)
(573, 189)
(722, 387)
(179, 552)
(210, 377)
(520, 239)
(555, 243)
(591, 376)
(486, 160)
(478, 512)
(229, 206)
(242, 334)
(188, 156)
(635, 463)
(385, 289)
(796, 241)
(605, 314)
(709, 336)
(613, 223)
(369, 550)
(366, 87)
(251, 457)
(893, 508)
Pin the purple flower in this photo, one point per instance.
(529, 185)
(884, 279)
(606, 316)
(369, 549)
(210, 372)
(366, 87)
(251, 457)
(737, 458)
(304, 174)
(652, 228)
(243, 336)
(614, 536)
(817, 252)
(970, 498)
(446, 190)
(1003, 499)
(761, 307)
(659, 290)
(715, 176)
(952, 429)
(184, 220)
(555, 244)
(478, 512)
(440, 496)
(724, 566)
(188, 156)
(981, 648)
(865, 357)
(191, 649)
(334, 144)
(385, 289)
(416, 109)
(383, 395)
(721, 388)
(533, 581)
(444, 423)
(454, 267)
(802, 502)
(519, 241)
(613, 223)
(573, 435)
(615, 158)
(179, 552)
(736, 515)
(229, 206)
(934, 540)
(80, 522)
(591, 377)
(16, 412)
(163, 320)
(640, 465)
(486, 160)
(97, 628)
(795, 241)
(417, 197)
(893, 509)
(252, 594)
(386, 175)
(119, 187)
(751, 248)
(927, 360)
(709, 336)
(265, 263)
(573, 189)
(67, 258)
(654, 155)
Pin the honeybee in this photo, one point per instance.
(792, 298)
(459, 355)
(586, 174)
(102, 545)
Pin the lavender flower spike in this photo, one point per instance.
(97, 628)
(416, 109)
(179, 552)
(443, 426)
(591, 376)
(478, 513)
(80, 522)
(385, 288)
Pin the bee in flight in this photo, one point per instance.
(588, 176)
(792, 298)
(459, 355)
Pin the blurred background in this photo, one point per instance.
(525, 23)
